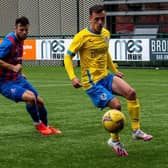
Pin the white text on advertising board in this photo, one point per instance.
(52, 49)
(159, 49)
(129, 50)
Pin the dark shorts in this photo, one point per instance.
(15, 89)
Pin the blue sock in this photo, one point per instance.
(43, 115)
(33, 111)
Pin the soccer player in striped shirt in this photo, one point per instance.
(14, 85)
(92, 44)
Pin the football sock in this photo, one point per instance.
(43, 114)
(33, 111)
(133, 108)
(115, 136)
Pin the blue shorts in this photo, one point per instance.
(101, 92)
(15, 89)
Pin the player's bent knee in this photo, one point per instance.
(40, 101)
(29, 96)
(114, 104)
(131, 94)
(117, 107)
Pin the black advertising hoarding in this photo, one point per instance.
(158, 49)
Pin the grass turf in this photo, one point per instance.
(83, 142)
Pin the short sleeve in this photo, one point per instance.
(5, 48)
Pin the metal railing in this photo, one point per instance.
(133, 2)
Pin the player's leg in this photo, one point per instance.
(31, 105)
(30, 97)
(122, 88)
(42, 110)
(101, 97)
(43, 115)
(38, 104)
(15, 91)
(35, 103)
(116, 145)
(114, 141)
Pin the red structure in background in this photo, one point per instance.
(149, 19)
(163, 19)
(126, 24)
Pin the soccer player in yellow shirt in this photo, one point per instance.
(92, 44)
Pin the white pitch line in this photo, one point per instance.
(53, 85)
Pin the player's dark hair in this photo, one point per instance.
(96, 8)
(22, 20)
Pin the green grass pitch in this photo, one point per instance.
(83, 143)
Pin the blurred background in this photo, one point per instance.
(56, 17)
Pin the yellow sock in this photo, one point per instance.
(115, 136)
(133, 108)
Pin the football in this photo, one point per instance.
(113, 121)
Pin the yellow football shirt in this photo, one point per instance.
(94, 56)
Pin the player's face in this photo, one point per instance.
(97, 21)
(21, 31)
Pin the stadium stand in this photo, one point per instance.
(126, 16)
